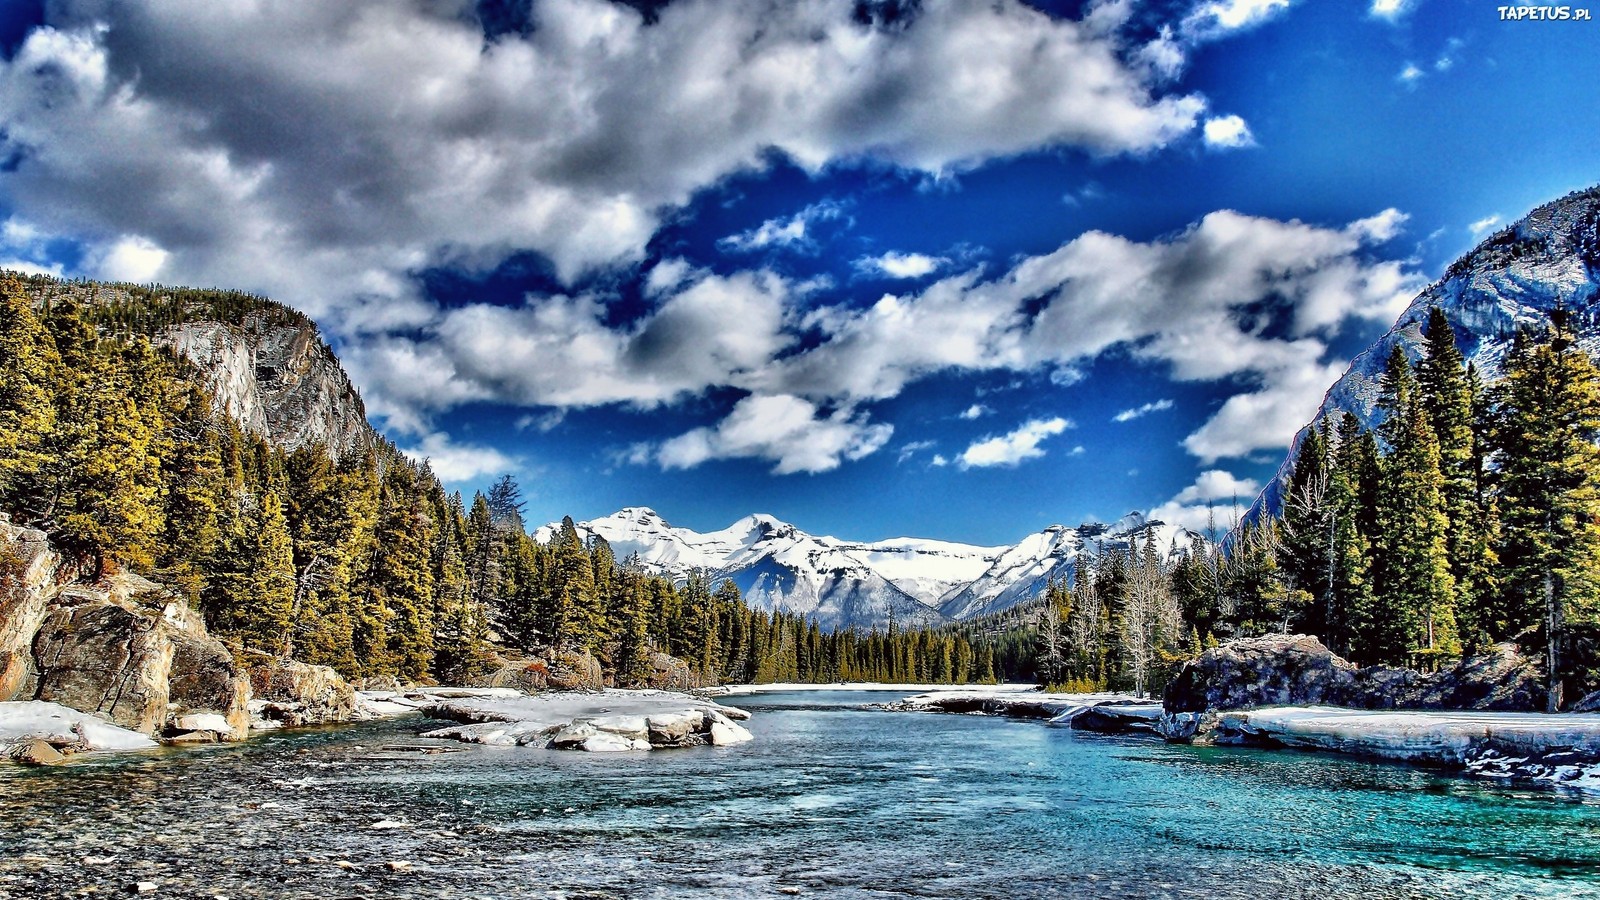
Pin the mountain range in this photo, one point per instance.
(862, 584)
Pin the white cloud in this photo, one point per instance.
(1228, 133)
(1216, 500)
(1014, 447)
(912, 449)
(1410, 75)
(1484, 224)
(1128, 415)
(131, 258)
(454, 462)
(790, 431)
(974, 411)
(939, 460)
(795, 232)
(1216, 484)
(31, 268)
(1390, 9)
(367, 140)
(1267, 418)
(901, 265)
(1220, 16)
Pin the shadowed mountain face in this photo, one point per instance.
(1549, 259)
(837, 583)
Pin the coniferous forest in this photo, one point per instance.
(1469, 517)
(363, 563)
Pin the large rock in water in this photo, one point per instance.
(136, 654)
(1297, 670)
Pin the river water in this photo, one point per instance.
(830, 800)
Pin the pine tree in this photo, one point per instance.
(1547, 422)
(1447, 390)
(28, 361)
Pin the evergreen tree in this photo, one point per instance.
(1547, 422)
(28, 362)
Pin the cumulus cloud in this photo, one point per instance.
(560, 351)
(369, 139)
(131, 258)
(1014, 447)
(900, 265)
(1139, 412)
(790, 431)
(1228, 133)
(454, 462)
(1232, 297)
(1217, 499)
(1484, 224)
(974, 411)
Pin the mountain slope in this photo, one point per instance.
(264, 364)
(853, 584)
(1514, 278)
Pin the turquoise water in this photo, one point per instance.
(831, 800)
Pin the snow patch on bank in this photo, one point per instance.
(62, 727)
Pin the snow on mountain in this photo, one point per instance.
(1514, 278)
(852, 584)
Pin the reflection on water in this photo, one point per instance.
(831, 800)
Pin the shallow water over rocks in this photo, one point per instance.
(830, 800)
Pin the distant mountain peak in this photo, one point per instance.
(860, 584)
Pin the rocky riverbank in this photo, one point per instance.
(1475, 718)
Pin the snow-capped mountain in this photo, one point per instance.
(1515, 277)
(852, 584)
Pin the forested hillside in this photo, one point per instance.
(1469, 517)
(356, 560)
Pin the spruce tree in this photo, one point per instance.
(1547, 422)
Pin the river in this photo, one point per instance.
(830, 800)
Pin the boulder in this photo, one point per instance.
(132, 652)
(37, 752)
(1297, 670)
(31, 573)
(725, 733)
(1275, 670)
(575, 671)
(291, 693)
(605, 742)
(674, 729)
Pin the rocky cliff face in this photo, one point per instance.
(279, 381)
(1514, 278)
(123, 648)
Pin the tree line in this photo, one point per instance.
(361, 562)
(1469, 517)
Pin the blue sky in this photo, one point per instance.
(935, 269)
